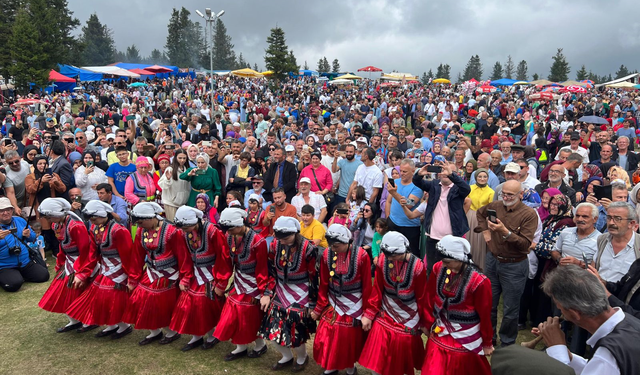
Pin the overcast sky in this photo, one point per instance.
(404, 35)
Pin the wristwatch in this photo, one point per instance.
(507, 236)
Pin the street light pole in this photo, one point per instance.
(210, 18)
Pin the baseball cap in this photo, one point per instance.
(363, 140)
(111, 136)
(575, 136)
(512, 167)
(305, 180)
(289, 148)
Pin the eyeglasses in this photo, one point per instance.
(257, 182)
(47, 137)
(555, 171)
(617, 219)
(507, 195)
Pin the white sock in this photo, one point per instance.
(72, 321)
(352, 370)
(259, 344)
(301, 353)
(122, 327)
(170, 332)
(194, 339)
(239, 349)
(287, 355)
(109, 328)
(154, 333)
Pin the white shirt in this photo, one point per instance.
(581, 150)
(613, 267)
(530, 182)
(315, 200)
(327, 161)
(602, 362)
(369, 178)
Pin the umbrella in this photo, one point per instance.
(593, 120)
(158, 69)
(521, 83)
(572, 83)
(486, 89)
(369, 69)
(587, 82)
(246, 73)
(138, 84)
(390, 84)
(349, 76)
(441, 80)
(576, 89)
(28, 102)
(267, 73)
(543, 96)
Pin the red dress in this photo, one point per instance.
(241, 316)
(74, 259)
(342, 300)
(459, 318)
(205, 265)
(154, 298)
(394, 345)
(105, 301)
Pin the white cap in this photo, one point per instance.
(255, 197)
(305, 179)
(232, 217)
(286, 225)
(289, 148)
(5, 203)
(111, 136)
(55, 207)
(146, 210)
(512, 167)
(363, 140)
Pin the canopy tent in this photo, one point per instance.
(544, 96)
(341, 82)
(572, 83)
(112, 70)
(369, 69)
(168, 70)
(246, 73)
(521, 83)
(308, 73)
(267, 73)
(142, 72)
(541, 82)
(82, 74)
(632, 77)
(473, 81)
(349, 76)
(503, 82)
(159, 69)
(622, 85)
(395, 76)
(440, 80)
(57, 77)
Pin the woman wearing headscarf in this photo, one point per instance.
(204, 274)
(192, 153)
(560, 217)
(457, 314)
(481, 195)
(139, 186)
(175, 191)
(88, 176)
(29, 153)
(543, 210)
(204, 179)
(74, 262)
(104, 302)
(154, 288)
(470, 167)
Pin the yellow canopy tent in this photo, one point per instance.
(348, 76)
(247, 73)
(441, 80)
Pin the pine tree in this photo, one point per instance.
(430, 74)
(560, 69)
(459, 79)
(622, 72)
(323, 65)
(473, 69)
(497, 73)
(223, 55)
(275, 58)
(521, 71)
(536, 76)
(157, 57)
(255, 67)
(609, 78)
(424, 79)
(184, 40)
(99, 47)
(9, 10)
(241, 63)
(335, 66)
(306, 66)
(293, 63)
(593, 77)
(582, 73)
(120, 56)
(28, 56)
(56, 24)
(133, 54)
(509, 68)
(444, 71)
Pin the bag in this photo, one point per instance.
(329, 197)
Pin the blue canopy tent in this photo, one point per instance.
(503, 82)
(82, 74)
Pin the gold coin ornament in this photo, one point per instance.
(233, 249)
(448, 272)
(446, 281)
(333, 266)
(331, 273)
(283, 252)
(335, 257)
(399, 278)
(390, 265)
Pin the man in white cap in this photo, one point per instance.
(16, 265)
(345, 287)
(291, 294)
(458, 312)
(204, 275)
(74, 264)
(154, 290)
(104, 302)
(241, 316)
(394, 313)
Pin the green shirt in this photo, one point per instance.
(468, 126)
(375, 245)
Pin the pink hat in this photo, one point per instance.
(186, 144)
(142, 161)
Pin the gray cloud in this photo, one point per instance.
(404, 35)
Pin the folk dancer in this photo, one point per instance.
(241, 316)
(155, 288)
(458, 313)
(104, 302)
(394, 316)
(200, 304)
(343, 294)
(291, 294)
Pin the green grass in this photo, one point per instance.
(30, 345)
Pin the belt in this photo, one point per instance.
(203, 191)
(509, 260)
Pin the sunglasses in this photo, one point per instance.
(15, 162)
(366, 210)
(69, 140)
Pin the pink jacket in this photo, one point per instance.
(322, 173)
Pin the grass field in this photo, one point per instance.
(31, 346)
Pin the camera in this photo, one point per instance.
(15, 250)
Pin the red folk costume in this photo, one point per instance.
(241, 316)
(293, 286)
(73, 260)
(343, 296)
(458, 311)
(205, 265)
(152, 302)
(394, 345)
(105, 301)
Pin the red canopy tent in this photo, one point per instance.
(369, 69)
(57, 77)
(158, 69)
(142, 72)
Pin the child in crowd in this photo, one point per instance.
(341, 215)
(38, 244)
(358, 200)
(381, 228)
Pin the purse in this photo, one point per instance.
(329, 197)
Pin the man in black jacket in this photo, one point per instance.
(61, 166)
(282, 174)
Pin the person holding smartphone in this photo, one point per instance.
(88, 176)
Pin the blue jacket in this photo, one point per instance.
(455, 199)
(12, 261)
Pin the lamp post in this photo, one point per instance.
(210, 18)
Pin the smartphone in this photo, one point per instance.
(8, 142)
(434, 169)
(602, 192)
(342, 211)
(585, 260)
(199, 171)
(77, 199)
(47, 171)
(411, 202)
(392, 182)
(170, 147)
(492, 216)
(473, 140)
(13, 230)
(206, 144)
(55, 137)
(90, 164)
(166, 121)
(272, 209)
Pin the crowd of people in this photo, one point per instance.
(360, 217)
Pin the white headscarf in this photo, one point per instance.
(97, 208)
(187, 216)
(55, 207)
(456, 248)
